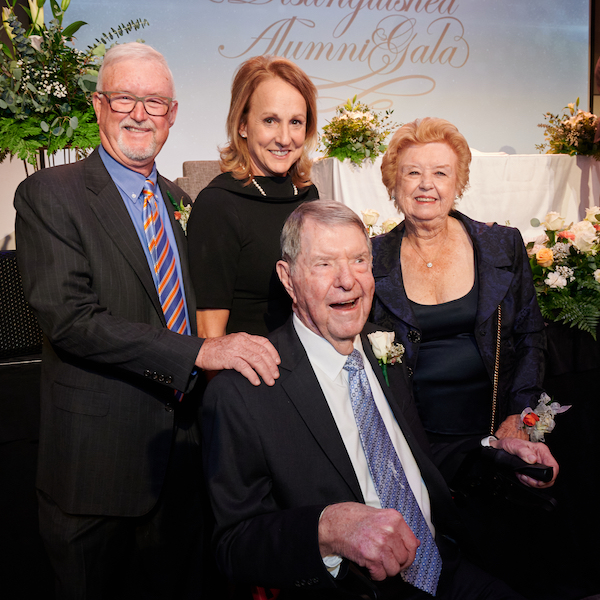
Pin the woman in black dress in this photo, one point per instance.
(234, 227)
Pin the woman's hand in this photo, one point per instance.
(511, 427)
(532, 453)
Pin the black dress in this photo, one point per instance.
(451, 386)
(233, 244)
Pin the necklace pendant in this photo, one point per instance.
(429, 264)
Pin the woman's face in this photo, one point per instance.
(276, 127)
(426, 181)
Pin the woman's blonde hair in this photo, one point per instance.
(426, 131)
(235, 156)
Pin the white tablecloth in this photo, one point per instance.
(508, 189)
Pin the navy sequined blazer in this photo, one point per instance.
(505, 279)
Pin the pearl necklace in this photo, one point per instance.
(428, 263)
(259, 188)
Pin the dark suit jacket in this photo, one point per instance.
(110, 366)
(275, 459)
(504, 278)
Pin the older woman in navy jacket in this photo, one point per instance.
(447, 285)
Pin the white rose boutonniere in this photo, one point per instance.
(385, 350)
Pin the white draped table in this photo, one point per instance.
(508, 189)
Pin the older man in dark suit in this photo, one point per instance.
(322, 485)
(104, 264)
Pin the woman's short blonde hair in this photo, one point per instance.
(426, 131)
(235, 156)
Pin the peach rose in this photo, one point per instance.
(544, 257)
(566, 234)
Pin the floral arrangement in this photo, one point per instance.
(539, 421)
(385, 350)
(182, 211)
(46, 84)
(570, 133)
(370, 218)
(566, 270)
(356, 132)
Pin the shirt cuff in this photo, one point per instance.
(333, 562)
(486, 441)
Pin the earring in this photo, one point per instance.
(243, 135)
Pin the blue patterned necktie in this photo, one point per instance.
(389, 478)
(165, 267)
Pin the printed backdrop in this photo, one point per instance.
(492, 67)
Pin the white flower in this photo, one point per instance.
(554, 280)
(597, 275)
(561, 250)
(36, 41)
(389, 224)
(566, 273)
(554, 221)
(370, 217)
(585, 236)
(590, 214)
(381, 342)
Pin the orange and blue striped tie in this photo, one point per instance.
(169, 285)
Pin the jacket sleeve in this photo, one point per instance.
(256, 540)
(522, 349)
(88, 299)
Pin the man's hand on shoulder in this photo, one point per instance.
(251, 355)
(375, 538)
(531, 453)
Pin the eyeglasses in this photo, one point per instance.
(121, 102)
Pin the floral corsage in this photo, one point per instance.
(182, 212)
(539, 421)
(385, 350)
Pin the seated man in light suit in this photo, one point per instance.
(319, 482)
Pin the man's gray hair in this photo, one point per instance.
(324, 212)
(132, 51)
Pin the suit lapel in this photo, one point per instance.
(107, 204)
(492, 263)
(303, 389)
(388, 277)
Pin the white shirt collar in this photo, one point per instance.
(322, 354)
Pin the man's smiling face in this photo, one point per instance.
(135, 138)
(331, 284)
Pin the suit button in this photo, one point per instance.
(168, 380)
(414, 336)
(161, 378)
(482, 332)
(147, 373)
(409, 371)
(169, 407)
(154, 375)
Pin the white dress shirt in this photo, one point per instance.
(328, 365)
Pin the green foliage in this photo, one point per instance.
(120, 31)
(571, 133)
(46, 85)
(356, 132)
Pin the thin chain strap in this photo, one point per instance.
(496, 373)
